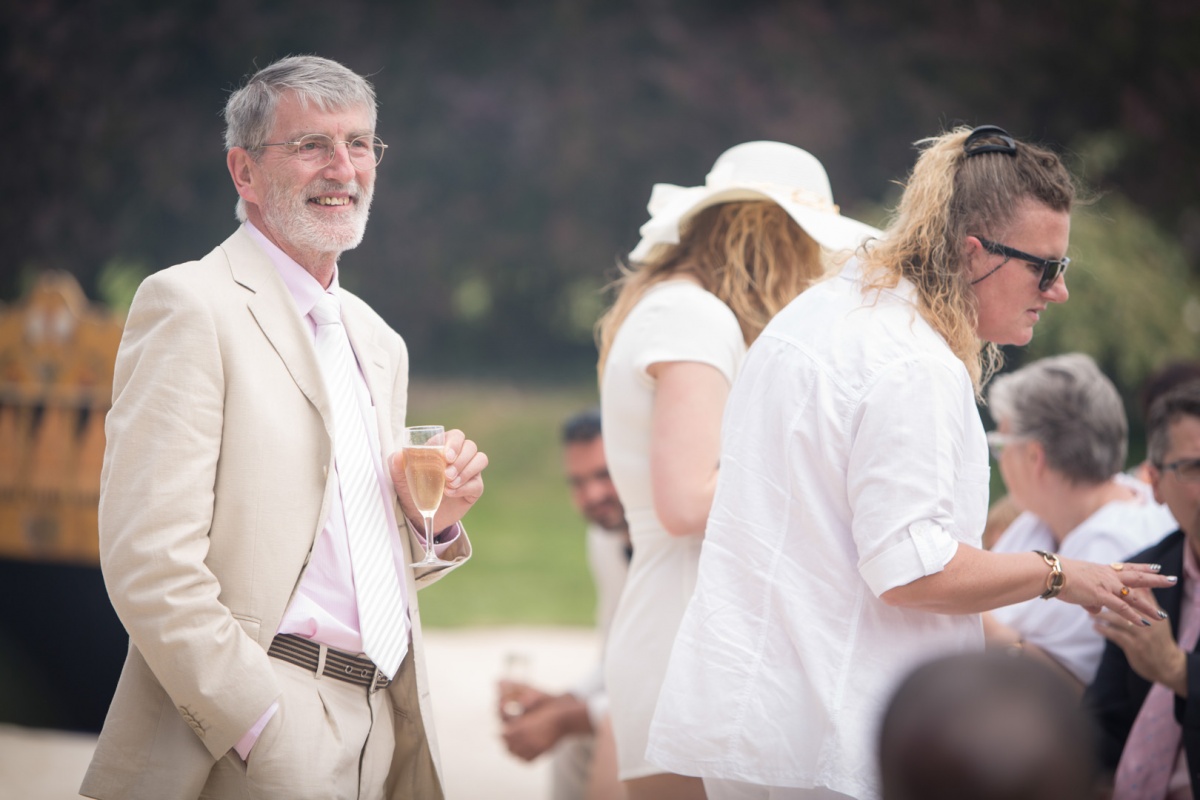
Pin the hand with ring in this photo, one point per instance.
(1114, 587)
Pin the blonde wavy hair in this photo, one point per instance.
(751, 255)
(949, 196)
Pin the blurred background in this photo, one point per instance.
(524, 140)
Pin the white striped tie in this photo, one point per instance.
(376, 585)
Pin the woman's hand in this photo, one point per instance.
(1111, 586)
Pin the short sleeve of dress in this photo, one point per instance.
(679, 321)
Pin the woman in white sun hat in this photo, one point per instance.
(715, 263)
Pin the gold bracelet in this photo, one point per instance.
(1056, 580)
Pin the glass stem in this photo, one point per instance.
(428, 536)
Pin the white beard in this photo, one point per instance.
(295, 221)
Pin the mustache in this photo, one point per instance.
(327, 187)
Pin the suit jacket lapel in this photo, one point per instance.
(275, 313)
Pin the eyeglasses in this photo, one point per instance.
(1051, 267)
(1186, 469)
(997, 441)
(319, 150)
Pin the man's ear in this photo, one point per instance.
(243, 170)
(1155, 476)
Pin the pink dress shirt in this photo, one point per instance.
(324, 608)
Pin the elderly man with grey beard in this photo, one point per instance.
(257, 531)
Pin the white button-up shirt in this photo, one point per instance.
(853, 461)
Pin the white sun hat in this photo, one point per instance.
(791, 177)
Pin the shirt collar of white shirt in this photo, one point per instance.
(904, 290)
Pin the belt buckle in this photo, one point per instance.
(379, 681)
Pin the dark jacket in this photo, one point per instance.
(1117, 693)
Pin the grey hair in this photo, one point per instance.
(1182, 401)
(1068, 405)
(326, 84)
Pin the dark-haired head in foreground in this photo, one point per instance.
(986, 726)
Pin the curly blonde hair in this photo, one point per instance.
(949, 196)
(751, 255)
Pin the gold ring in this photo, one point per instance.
(1124, 591)
(1117, 565)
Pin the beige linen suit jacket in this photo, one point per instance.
(216, 483)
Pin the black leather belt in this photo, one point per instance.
(342, 666)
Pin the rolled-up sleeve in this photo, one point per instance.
(905, 470)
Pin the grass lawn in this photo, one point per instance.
(529, 565)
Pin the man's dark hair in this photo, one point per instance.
(988, 726)
(583, 427)
(1182, 401)
(1164, 380)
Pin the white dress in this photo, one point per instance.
(674, 321)
(1113, 532)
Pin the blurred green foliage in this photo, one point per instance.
(525, 137)
(1134, 306)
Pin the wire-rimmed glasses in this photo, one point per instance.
(319, 150)
(1186, 469)
(997, 441)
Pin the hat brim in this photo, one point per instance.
(831, 230)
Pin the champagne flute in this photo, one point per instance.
(425, 470)
(516, 675)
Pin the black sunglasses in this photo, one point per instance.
(1051, 267)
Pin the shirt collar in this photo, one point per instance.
(904, 289)
(1191, 565)
(301, 285)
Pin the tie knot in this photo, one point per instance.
(327, 310)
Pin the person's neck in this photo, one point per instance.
(1068, 504)
(320, 264)
(1192, 542)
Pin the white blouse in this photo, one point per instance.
(853, 461)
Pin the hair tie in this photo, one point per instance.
(973, 146)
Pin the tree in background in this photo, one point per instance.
(524, 140)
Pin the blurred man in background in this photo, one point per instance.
(1146, 694)
(574, 724)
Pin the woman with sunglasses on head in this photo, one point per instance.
(842, 548)
(715, 263)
